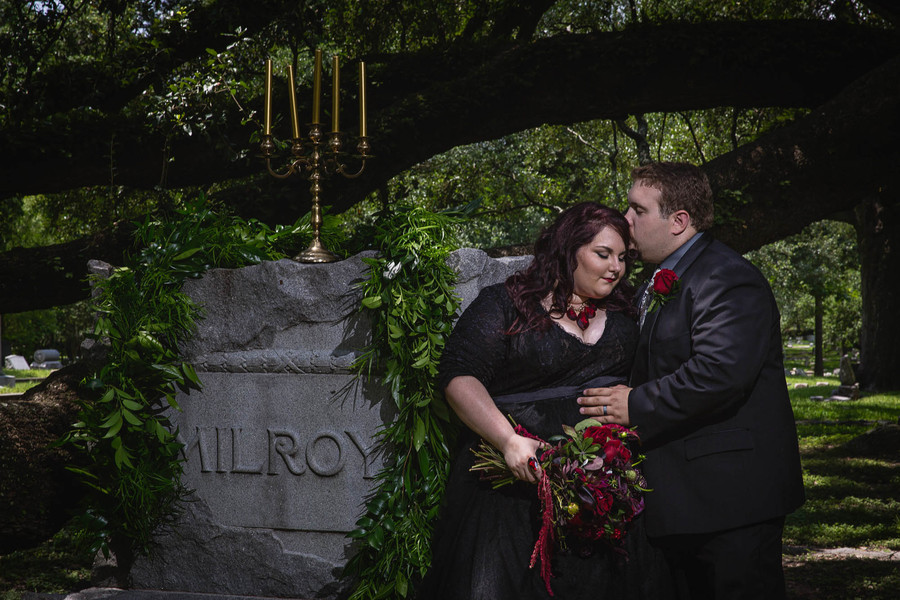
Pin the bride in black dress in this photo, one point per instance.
(527, 348)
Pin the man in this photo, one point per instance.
(709, 398)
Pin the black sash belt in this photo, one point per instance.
(563, 391)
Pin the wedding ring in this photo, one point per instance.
(604, 410)
(533, 464)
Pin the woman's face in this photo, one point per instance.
(600, 264)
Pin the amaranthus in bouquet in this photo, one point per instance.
(590, 486)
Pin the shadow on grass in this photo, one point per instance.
(841, 579)
(59, 565)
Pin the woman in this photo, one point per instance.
(527, 348)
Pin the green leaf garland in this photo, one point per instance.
(410, 293)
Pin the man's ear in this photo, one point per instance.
(679, 221)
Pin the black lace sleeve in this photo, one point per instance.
(479, 344)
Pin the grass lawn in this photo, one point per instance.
(853, 501)
(21, 386)
(59, 565)
(853, 497)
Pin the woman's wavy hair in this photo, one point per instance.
(554, 263)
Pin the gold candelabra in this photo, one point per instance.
(311, 156)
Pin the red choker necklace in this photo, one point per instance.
(583, 316)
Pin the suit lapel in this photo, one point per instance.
(680, 268)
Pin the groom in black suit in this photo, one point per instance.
(708, 398)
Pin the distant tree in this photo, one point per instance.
(821, 263)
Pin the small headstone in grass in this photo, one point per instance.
(846, 392)
(16, 362)
(848, 377)
(798, 372)
(821, 383)
(798, 386)
(817, 398)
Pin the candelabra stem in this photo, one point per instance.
(316, 252)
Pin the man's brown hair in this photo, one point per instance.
(683, 186)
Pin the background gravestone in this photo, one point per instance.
(279, 443)
(16, 362)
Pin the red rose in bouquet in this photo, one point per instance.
(590, 486)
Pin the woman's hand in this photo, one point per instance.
(519, 453)
(475, 407)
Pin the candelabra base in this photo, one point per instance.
(316, 253)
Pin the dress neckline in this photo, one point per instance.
(559, 327)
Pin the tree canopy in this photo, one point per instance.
(112, 108)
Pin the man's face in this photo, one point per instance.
(650, 231)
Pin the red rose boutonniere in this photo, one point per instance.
(665, 285)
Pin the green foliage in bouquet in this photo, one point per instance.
(410, 293)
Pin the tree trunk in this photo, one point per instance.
(878, 231)
(819, 365)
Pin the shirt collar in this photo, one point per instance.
(672, 259)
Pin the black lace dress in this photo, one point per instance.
(484, 538)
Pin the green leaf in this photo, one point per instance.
(376, 537)
(170, 399)
(425, 465)
(162, 434)
(377, 505)
(419, 433)
(114, 429)
(131, 418)
(122, 458)
(580, 426)
(113, 418)
(372, 302)
(132, 405)
(169, 370)
(401, 584)
(191, 375)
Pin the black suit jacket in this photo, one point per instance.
(710, 400)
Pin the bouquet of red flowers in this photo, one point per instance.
(590, 486)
